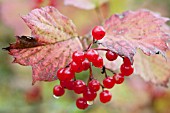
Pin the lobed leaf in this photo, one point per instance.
(49, 48)
(141, 29)
(85, 4)
(48, 25)
(153, 68)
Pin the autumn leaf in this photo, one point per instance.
(52, 42)
(85, 4)
(141, 29)
(153, 68)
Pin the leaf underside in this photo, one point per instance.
(53, 40)
(154, 69)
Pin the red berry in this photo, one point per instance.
(127, 61)
(68, 74)
(98, 62)
(60, 74)
(79, 86)
(85, 65)
(89, 95)
(76, 67)
(94, 85)
(58, 90)
(119, 78)
(105, 96)
(98, 32)
(81, 103)
(111, 55)
(109, 82)
(67, 84)
(126, 70)
(78, 57)
(92, 55)
(63, 83)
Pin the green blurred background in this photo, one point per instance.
(17, 95)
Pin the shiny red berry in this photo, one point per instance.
(81, 103)
(109, 82)
(79, 86)
(89, 95)
(68, 74)
(60, 75)
(67, 84)
(105, 96)
(85, 65)
(119, 78)
(91, 55)
(78, 57)
(127, 61)
(98, 62)
(98, 32)
(94, 85)
(111, 55)
(76, 67)
(126, 70)
(58, 90)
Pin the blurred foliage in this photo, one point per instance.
(17, 95)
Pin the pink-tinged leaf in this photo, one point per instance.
(51, 46)
(85, 4)
(48, 25)
(153, 68)
(141, 29)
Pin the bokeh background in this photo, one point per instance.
(17, 95)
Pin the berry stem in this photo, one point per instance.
(91, 74)
(110, 70)
(102, 49)
(104, 71)
(102, 86)
(90, 45)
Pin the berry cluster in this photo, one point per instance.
(82, 61)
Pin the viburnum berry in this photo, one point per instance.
(89, 95)
(60, 74)
(109, 82)
(81, 103)
(105, 96)
(119, 78)
(98, 32)
(78, 57)
(67, 84)
(98, 62)
(126, 61)
(91, 55)
(111, 55)
(68, 74)
(79, 86)
(76, 67)
(94, 85)
(58, 90)
(126, 70)
(85, 64)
